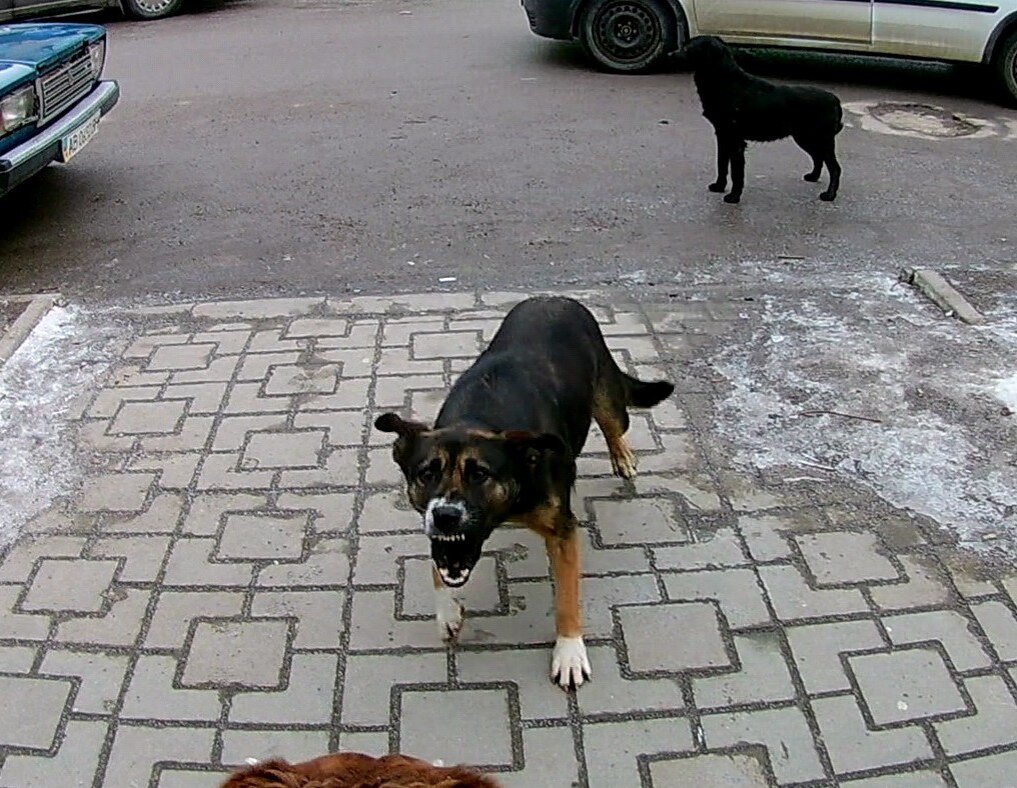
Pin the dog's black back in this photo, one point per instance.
(744, 107)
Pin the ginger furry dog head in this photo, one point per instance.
(354, 770)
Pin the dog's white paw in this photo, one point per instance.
(448, 613)
(570, 666)
(624, 465)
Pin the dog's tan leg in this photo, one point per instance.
(613, 421)
(448, 612)
(570, 665)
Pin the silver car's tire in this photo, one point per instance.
(627, 35)
(1005, 65)
(151, 9)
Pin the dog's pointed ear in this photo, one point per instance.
(393, 422)
(535, 442)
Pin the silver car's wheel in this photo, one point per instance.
(626, 35)
(1005, 64)
(151, 9)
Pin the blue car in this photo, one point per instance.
(52, 95)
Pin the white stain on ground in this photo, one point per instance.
(58, 363)
(872, 384)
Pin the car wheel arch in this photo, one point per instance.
(1002, 32)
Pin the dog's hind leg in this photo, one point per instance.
(833, 166)
(737, 172)
(723, 157)
(613, 419)
(815, 152)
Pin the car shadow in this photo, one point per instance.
(944, 80)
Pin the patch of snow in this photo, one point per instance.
(57, 364)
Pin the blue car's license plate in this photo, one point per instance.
(79, 138)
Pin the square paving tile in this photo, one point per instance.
(639, 520)
(247, 536)
(31, 709)
(248, 653)
(76, 585)
(673, 637)
(705, 771)
(457, 726)
(845, 557)
(906, 685)
(283, 450)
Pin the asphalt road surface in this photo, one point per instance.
(273, 147)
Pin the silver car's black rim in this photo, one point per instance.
(626, 32)
(153, 7)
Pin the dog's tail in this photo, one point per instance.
(642, 394)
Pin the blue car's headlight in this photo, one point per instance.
(97, 56)
(17, 108)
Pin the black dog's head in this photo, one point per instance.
(464, 482)
(706, 51)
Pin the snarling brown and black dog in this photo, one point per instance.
(504, 448)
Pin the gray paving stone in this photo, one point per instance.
(612, 693)
(205, 397)
(307, 700)
(527, 669)
(191, 563)
(340, 470)
(293, 746)
(151, 694)
(838, 557)
(318, 327)
(853, 747)
(245, 653)
(924, 588)
(425, 730)
(327, 565)
(1000, 626)
(233, 430)
(369, 679)
(74, 764)
(299, 379)
(282, 450)
(612, 748)
(162, 516)
(994, 725)
(983, 772)
(737, 591)
(101, 677)
(449, 344)
(317, 615)
(480, 594)
(784, 733)
(549, 754)
(792, 598)
(116, 492)
(70, 585)
(137, 749)
(176, 609)
(764, 537)
(176, 357)
(147, 418)
(143, 555)
(906, 685)
(657, 637)
(730, 771)
(17, 565)
(32, 708)
(817, 648)
(948, 627)
(190, 778)
(119, 627)
(601, 595)
(763, 676)
(722, 550)
(16, 659)
(917, 779)
(639, 521)
(254, 537)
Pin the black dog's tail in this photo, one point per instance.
(642, 394)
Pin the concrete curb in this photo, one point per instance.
(37, 308)
(942, 293)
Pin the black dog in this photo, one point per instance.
(742, 107)
(504, 449)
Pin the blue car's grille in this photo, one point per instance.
(64, 85)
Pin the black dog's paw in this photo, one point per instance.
(811, 177)
(718, 186)
(828, 196)
(731, 199)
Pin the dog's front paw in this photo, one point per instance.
(448, 613)
(718, 187)
(624, 465)
(828, 196)
(732, 198)
(570, 666)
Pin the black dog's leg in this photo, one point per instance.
(833, 166)
(814, 150)
(723, 156)
(737, 172)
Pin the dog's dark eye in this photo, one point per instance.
(477, 474)
(428, 472)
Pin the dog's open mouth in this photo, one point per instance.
(454, 557)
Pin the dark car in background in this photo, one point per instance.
(11, 10)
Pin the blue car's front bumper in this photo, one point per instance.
(20, 163)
